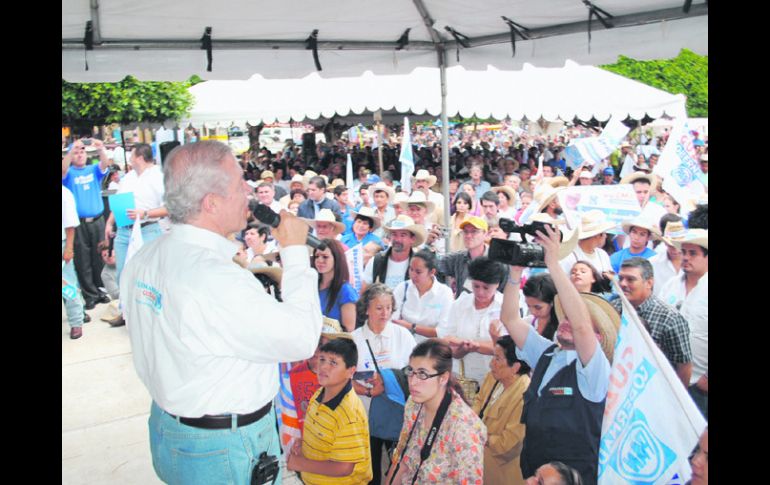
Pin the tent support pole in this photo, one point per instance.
(444, 148)
(379, 148)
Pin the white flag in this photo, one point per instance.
(406, 158)
(136, 241)
(651, 424)
(679, 166)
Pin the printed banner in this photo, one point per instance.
(618, 202)
(679, 166)
(596, 148)
(651, 424)
(355, 257)
(286, 410)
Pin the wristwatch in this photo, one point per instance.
(414, 328)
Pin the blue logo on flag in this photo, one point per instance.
(641, 457)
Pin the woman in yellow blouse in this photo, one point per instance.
(499, 404)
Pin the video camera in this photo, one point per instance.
(516, 253)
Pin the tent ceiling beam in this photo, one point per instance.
(437, 43)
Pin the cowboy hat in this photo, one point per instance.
(543, 196)
(369, 212)
(675, 231)
(326, 215)
(298, 179)
(649, 177)
(603, 316)
(382, 187)
(405, 223)
(332, 329)
(699, 237)
(592, 223)
(400, 197)
(643, 167)
(423, 174)
(267, 174)
(625, 144)
(273, 272)
(555, 182)
(644, 224)
(569, 237)
(418, 197)
(512, 195)
(336, 183)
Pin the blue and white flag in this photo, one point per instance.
(406, 158)
(651, 424)
(679, 165)
(596, 148)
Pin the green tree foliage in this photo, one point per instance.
(687, 74)
(127, 101)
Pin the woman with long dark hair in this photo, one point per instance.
(539, 292)
(338, 297)
(436, 407)
(462, 209)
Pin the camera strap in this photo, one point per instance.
(429, 440)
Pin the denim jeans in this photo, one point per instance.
(74, 307)
(185, 455)
(123, 237)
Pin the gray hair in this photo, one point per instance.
(191, 172)
(643, 264)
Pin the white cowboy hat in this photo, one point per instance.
(556, 182)
(418, 197)
(332, 329)
(369, 212)
(675, 231)
(382, 187)
(326, 215)
(405, 223)
(649, 177)
(400, 197)
(594, 222)
(298, 178)
(423, 174)
(543, 196)
(267, 174)
(699, 237)
(644, 224)
(569, 237)
(603, 316)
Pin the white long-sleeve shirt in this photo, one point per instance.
(205, 335)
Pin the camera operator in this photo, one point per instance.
(206, 337)
(565, 401)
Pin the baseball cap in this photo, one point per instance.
(608, 171)
(476, 222)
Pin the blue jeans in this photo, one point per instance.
(74, 307)
(186, 455)
(123, 237)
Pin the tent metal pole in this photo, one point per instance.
(444, 148)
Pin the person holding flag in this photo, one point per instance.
(565, 401)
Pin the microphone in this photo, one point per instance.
(266, 215)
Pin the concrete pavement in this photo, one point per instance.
(105, 408)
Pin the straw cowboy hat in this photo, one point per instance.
(594, 222)
(336, 183)
(649, 177)
(382, 187)
(418, 197)
(555, 182)
(273, 272)
(300, 179)
(644, 224)
(423, 174)
(369, 212)
(569, 237)
(543, 196)
(603, 316)
(699, 237)
(267, 174)
(512, 195)
(332, 329)
(326, 215)
(400, 197)
(675, 231)
(405, 223)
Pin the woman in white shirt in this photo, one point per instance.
(422, 303)
(467, 331)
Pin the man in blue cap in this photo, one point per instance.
(608, 176)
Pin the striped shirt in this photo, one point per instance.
(339, 431)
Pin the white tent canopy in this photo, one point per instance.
(565, 93)
(162, 40)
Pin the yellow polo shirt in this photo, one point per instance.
(337, 430)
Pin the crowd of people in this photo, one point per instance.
(414, 357)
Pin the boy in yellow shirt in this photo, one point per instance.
(335, 439)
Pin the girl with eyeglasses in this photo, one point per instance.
(338, 297)
(437, 408)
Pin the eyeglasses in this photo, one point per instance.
(421, 374)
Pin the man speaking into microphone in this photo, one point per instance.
(205, 335)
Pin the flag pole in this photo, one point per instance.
(444, 147)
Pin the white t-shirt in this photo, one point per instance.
(599, 259)
(147, 188)
(69, 212)
(662, 271)
(430, 309)
(466, 322)
(394, 276)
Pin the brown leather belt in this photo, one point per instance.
(224, 421)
